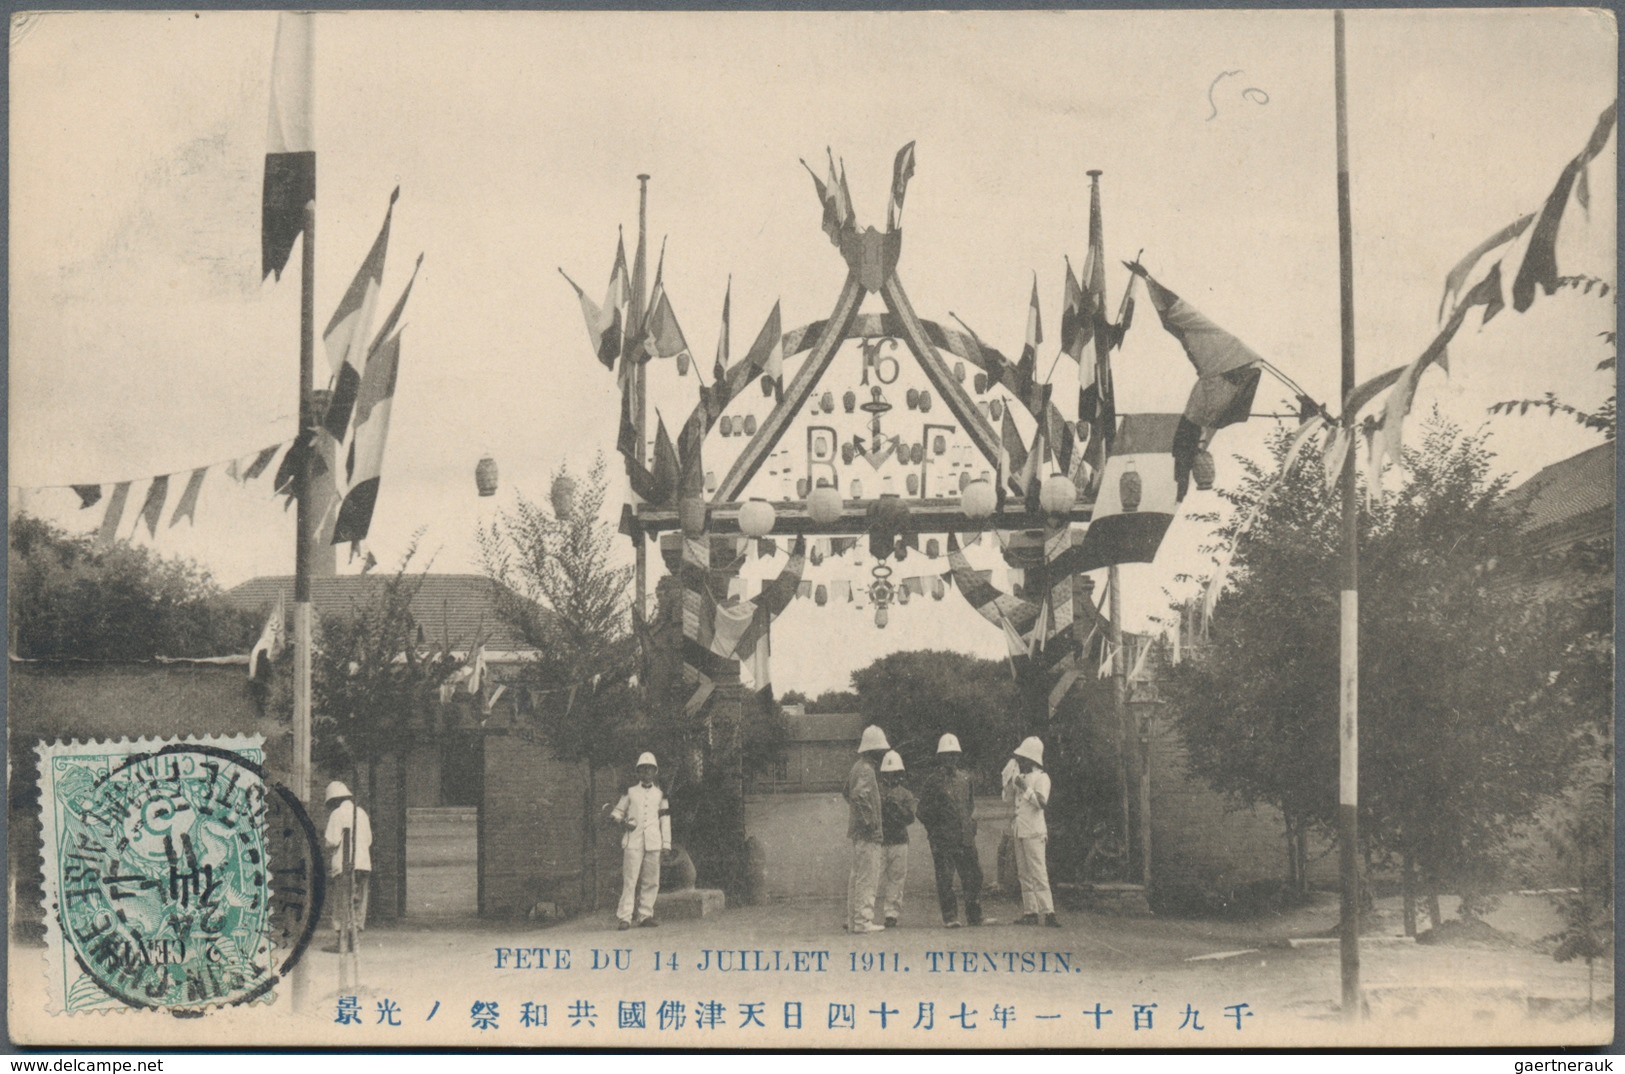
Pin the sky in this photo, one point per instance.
(144, 342)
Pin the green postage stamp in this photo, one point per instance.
(177, 878)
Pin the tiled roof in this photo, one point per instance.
(460, 607)
(1568, 490)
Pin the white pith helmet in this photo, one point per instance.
(873, 739)
(648, 759)
(892, 762)
(1032, 749)
(336, 789)
(948, 744)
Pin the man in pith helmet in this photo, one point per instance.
(947, 809)
(896, 814)
(865, 832)
(352, 856)
(1027, 785)
(645, 818)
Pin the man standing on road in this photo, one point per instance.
(349, 838)
(897, 806)
(865, 832)
(1027, 785)
(646, 818)
(947, 808)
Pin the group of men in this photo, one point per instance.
(882, 807)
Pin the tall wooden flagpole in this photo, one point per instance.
(640, 540)
(1348, 694)
(302, 545)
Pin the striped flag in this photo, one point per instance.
(1227, 373)
(902, 170)
(365, 460)
(346, 334)
(662, 337)
(606, 323)
(273, 638)
(290, 152)
(1119, 533)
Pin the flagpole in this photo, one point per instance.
(302, 543)
(639, 383)
(1114, 584)
(1348, 782)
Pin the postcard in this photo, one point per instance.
(839, 530)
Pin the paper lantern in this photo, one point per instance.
(882, 617)
(691, 516)
(959, 372)
(917, 456)
(901, 550)
(750, 424)
(821, 595)
(1202, 470)
(932, 548)
(1129, 488)
(925, 402)
(682, 363)
(913, 484)
(849, 401)
(847, 454)
(857, 489)
(902, 594)
(563, 496)
(756, 518)
(978, 499)
(1057, 494)
(767, 386)
(938, 588)
(485, 476)
(727, 425)
(995, 409)
(802, 487)
(710, 481)
(912, 398)
(940, 445)
(824, 505)
(964, 479)
(980, 383)
(828, 402)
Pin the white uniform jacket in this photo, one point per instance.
(647, 808)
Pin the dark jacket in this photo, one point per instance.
(947, 808)
(897, 813)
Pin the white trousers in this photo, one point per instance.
(640, 883)
(860, 884)
(1033, 871)
(894, 873)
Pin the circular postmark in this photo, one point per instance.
(196, 882)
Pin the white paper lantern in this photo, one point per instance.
(756, 518)
(1057, 494)
(978, 499)
(824, 505)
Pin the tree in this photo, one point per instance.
(373, 682)
(1460, 738)
(918, 696)
(560, 587)
(73, 599)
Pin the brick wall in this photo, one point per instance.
(535, 839)
(1203, 843)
